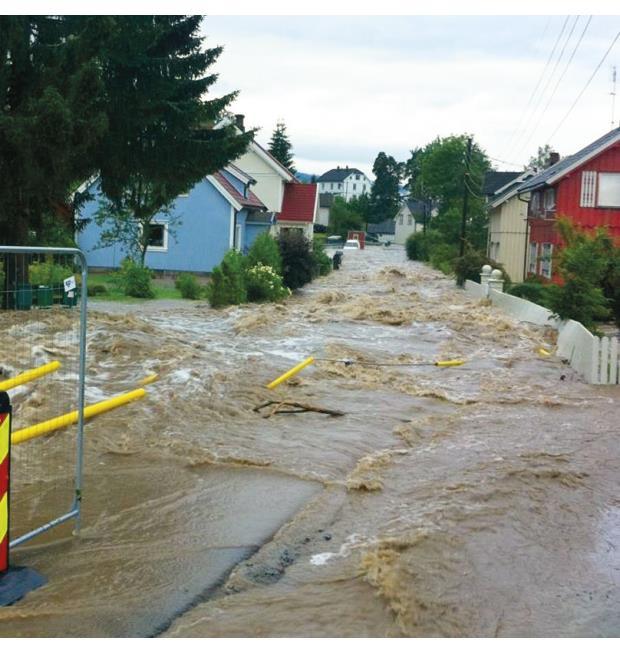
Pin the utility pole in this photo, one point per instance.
(465, 196)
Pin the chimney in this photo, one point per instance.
(554, 157)
(239, 117)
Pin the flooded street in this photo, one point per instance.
(480, 500)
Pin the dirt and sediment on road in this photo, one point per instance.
(479, 500)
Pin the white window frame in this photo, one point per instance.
(549, 199)
(154, 248)
(588, 189)
(603, 179)
(546, 257)
(533, 254)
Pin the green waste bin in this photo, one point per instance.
(45, 296)
(23, 297)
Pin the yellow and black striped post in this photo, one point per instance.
(5, 444)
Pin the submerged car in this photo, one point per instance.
(352, 244)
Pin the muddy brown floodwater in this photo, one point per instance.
(480, 500)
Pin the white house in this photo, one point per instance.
(294, 205)
(409, 219)
(345, 182)
(507, 231)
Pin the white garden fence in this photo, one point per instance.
(596, 359)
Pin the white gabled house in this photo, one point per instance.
(344, 182)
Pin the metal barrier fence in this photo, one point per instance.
(43, 303)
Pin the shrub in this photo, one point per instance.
(97, 289)
(322, 263)
(582, 265)
(263, 283)
(532, 291)
(265, 251)
(442, 257)
(48, 273)
(416, 247)
(133, 280)
(297, 259)
(470, 265)
(188, 286)
(227, 284)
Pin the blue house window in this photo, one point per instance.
(158, 237)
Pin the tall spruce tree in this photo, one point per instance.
(163, 136)
(280, 147)
(51, 120)
(385, 196)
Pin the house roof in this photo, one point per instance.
(416, 206)
(494, 180)
(299, 203)
(504, 193)
(239, 174)
(339, 174)
(387, 227)
(249, 202)
(555, 172)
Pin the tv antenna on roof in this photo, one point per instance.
(613, 96)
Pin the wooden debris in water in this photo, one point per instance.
(288, 407)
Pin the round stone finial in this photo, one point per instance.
(486, 269)
(496, 274)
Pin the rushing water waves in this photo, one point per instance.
(470, 501)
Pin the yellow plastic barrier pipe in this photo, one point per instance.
(17, 437)
(290, 373)
(151, 378)
(29, 375)
(452, 363)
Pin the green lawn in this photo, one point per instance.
(163, 289)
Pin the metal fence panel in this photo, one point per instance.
(43, 303)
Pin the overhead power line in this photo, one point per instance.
(555, 88)
(519, 147)
(583, 90)
(533, 94)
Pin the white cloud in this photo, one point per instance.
(385, 85)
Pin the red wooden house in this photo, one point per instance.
(584, 187)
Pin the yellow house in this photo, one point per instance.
(507, 236)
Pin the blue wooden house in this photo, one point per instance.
(219, 213)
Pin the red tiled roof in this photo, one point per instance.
(299, 203)
(250, 202)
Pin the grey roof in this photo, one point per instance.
(564, 164)
(494, 180)
(338, 174)
(417, 206)
(387, 227)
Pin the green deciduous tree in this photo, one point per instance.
(385, 196)
(541, 159)
(280, 147)
(442, 177)
(582, 264)
(342, 218)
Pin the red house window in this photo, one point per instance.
(609, 189)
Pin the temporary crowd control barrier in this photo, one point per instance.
(43, 303)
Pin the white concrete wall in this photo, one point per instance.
(596, 359)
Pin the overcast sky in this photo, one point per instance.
(348, 87)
